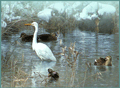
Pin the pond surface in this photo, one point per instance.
(90, 45)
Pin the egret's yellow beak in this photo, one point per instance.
(28, 24)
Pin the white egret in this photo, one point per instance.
(42, 50)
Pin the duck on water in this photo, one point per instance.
(107, 61)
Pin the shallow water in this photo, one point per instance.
(90, 45)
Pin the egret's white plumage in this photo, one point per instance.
(42, 50)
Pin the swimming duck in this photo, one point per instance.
(53, 74)
(26, 38)
(42, 37)
(41, 49)
(107, 61)
(47, 37)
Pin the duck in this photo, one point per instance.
(42, 37)
(48, 37)
(107, 61)
(41, 49)
(53, 74)
(26, 38)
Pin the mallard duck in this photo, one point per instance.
(42, 37)
(107, 61)
(41, 49)
(47, 37)
(26, 38)
(53, 74)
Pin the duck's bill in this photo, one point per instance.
(28, 24)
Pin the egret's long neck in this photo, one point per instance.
(35, 37)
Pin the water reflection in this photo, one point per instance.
(42, 67)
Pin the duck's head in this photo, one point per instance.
(50, 70)
(22, 35)
(53, 34)
(56, 34)
(53, 73)
(108, 61)
(108, 58)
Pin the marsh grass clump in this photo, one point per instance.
(16, 74)
(71, 55)
(97, 76)
(11, 68)
(20, 78)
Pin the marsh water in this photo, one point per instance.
(90, 45)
